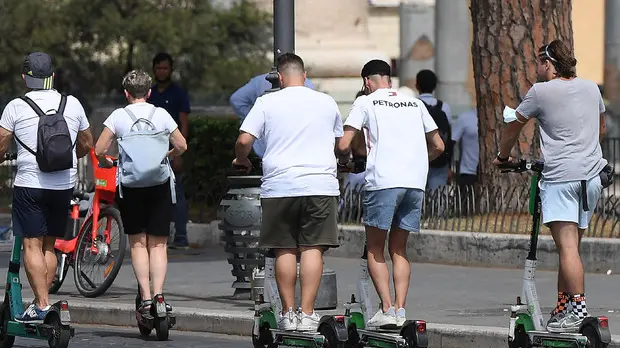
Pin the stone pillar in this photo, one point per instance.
(417, 38)
(612, 52)
(453, 49)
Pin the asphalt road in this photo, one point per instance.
(106, 336)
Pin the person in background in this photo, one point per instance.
(426, 82)
(244, 98)
(173, 98)
(465, 133)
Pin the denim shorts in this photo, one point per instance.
(561, 201)
(400, 207)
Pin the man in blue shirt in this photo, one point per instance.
(243, 99)
(172, 97)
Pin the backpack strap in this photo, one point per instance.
(134, 119)
(63, 104)
(39, 113)
(34, 105)
(150, 118)
(439, 104)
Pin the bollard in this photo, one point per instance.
(240, 216)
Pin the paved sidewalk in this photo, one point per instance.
(201, 280)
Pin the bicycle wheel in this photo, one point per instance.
(57, 282)
(111, 261)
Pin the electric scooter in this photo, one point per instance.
(55, 327)
(331, 332)
(411, 335)
(159, 318)
(527, 328)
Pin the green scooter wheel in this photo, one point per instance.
(6, 340)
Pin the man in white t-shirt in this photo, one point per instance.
(398, 129)
(299, 191)
(41, 199)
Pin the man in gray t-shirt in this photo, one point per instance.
(569, 111)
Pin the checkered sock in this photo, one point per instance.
(562, 305)
(578, 303)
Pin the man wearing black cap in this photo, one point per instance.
(40, 198)
(401, 138)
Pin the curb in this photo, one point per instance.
(240, 323)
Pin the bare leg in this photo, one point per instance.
(158, 256)
(286, 276)
(36, 270)
(397, 247)
(377, 268)
(50, 259)
(140, 262)
(310, 272)
(566, 237)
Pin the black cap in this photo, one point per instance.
(376, 67)
(38, 71)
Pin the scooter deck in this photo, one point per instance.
(297, 338)
(369, 337)
(30, 330)
(539, 338)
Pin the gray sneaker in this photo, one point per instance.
(564, 322)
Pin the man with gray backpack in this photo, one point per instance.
(145, 180)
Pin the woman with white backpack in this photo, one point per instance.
(145, 180)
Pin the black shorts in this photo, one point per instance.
(146, 209)
(40, 212)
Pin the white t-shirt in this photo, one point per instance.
(299, 127)
(395, 127)
(20, 119)
(119, 121)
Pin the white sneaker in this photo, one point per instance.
(401, 317)
(308, 322)
(287, 321)
(381, 319)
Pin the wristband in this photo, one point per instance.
(502, 159)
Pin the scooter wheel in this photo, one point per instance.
(144, 331)
(6, 340)
(61, 336)
(594, 341)
(331, 339)
(521, 339)
(162, 328)
(264, 339)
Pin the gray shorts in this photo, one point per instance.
(292, 222)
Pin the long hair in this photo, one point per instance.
(560, 56)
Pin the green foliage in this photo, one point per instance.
(208, 159)
(216, 49)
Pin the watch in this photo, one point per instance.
(502, 159)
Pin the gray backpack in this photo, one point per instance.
(143, 160)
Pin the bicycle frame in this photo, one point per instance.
(94, 208)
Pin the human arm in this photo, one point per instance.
(242, 99)
(602, 124)
(251, 129)
(358, 117)
(179, 144)
(7, 126)
(527, 109)
(103, 145)
(84, 141)
(184, 115)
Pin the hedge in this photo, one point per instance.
(208, 161)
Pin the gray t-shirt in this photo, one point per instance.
(568, 112)
(465, 130)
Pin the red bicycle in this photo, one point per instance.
(89, 246)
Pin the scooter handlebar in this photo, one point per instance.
(521, 166)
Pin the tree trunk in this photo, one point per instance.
(506, 39)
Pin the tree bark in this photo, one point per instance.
(506, 39)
